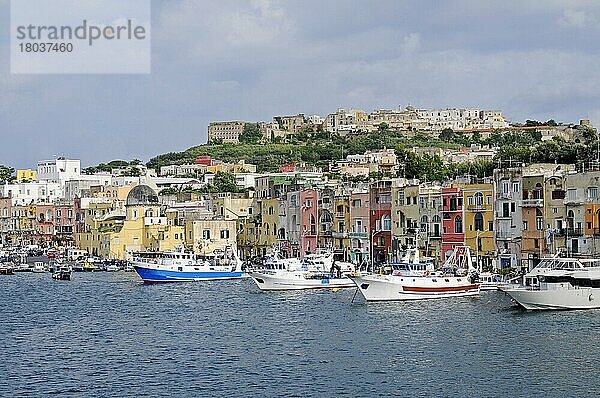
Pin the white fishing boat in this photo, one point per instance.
(418, 281)
(317, 271)
(559, 283)
(62, 272)
(112, 268)
(39, 267)
(490, 281)
(180, 267)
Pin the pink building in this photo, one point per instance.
(5, 220)
(64, 222)
(43, 225)
(308, 220)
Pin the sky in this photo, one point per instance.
(252, 60)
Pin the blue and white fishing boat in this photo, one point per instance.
(181, 267)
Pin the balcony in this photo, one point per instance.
(532, 203)
(359, 235)
(573, 202)
(574, 232)
(507, 235)
(480, 207)
(339, 235)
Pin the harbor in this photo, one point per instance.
(110, 334)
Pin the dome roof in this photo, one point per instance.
(142, 195)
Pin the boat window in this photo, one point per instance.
(434, 280)
(447, 280)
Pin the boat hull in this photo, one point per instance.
(152, 275)
(556, 299)
(297, 282)
(395, 288)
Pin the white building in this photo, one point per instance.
(32, 192)
(58, 170)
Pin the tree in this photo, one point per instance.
(447, 134)
(224, 182)
(251, 134)
(6, 174)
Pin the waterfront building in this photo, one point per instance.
(210, 235)
(360, 225)
(380, 220)
(144, 225)
(309, 228)
(453, 231)
(6, 221)
(44, 223)
(478, 219)
(508, 234)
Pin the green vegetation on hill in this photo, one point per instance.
(318, 148)
(115, 164)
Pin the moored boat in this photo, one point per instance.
(6, 269)
(559, 283)
(181, 267)
(490, 281)
(415, 281)
(38, 267)
(317, 271)
(62, 272)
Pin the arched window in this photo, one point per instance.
(478, 222)
(326, 221)
(478, 199)
(424, 223)
(458, 228)
(386, 222)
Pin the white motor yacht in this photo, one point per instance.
(559, 283)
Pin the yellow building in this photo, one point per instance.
(479, 222)
(205, 236)
(142, 226)
(26, 175)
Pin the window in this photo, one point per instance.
(458, 225)
(224, 234)
(424, 223)
(490, 225)
(206, 234)
(513, 207)
(592, 192)
(386, 222)
(571, 194)
(478, 199)
(505, 187)
(505, 211)
(525, 225)
(356, 203)
(515, 187)
(478, 222)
